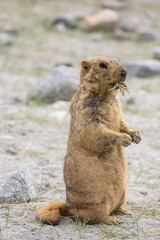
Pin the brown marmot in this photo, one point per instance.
(95, 166)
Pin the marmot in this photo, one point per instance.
(95, 166)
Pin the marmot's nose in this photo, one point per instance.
(123, 74)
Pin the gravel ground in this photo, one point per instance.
(39, 133)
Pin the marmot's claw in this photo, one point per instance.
(112, 220)
(124, 140)
(136, 137)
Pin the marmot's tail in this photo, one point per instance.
(51, 212)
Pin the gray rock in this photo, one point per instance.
(143, 68)
(60, 27)
(146, 35)
(60, 84)
(67, 63)
(105, 19)
(16, 99)
(11, 151)
(114, 4)
(131, 101)
(70, 20)
(157, 53)
(127, 25)
(95, 37)
(151, 15)
(60, 116)
(118, 34)
(17, 189)
(10, 29)
(6, 39)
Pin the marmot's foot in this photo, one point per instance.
(124, 140)
(122, 211)
(136, 136)
(111, 220)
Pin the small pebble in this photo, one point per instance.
(144, 193)
(60, 27)
(12, 151)
(157, 53)
(127, 25)
(146, 35)
(131, 101)
(121, 35)
(16, 100)
(10, 30)
(33, 229)
(65, 63)
(151, 15)
(5, 39)
(23, 134)
(95, 37)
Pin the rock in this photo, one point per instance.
(12, 151)
(65, 63)
(16, 100)
(10, 29)
(60, 84)
(6, 39)
(95, 37)
(143, 68)
(127, 25)
(118, 34)
(17, 189)
(131, 101)
(70, 20)
(157, 53)
(60, 27)
(106, 20)
(114, 4)
(151, 15)
(60, 112)
(146, 35)
(60, 116)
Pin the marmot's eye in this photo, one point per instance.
(102, 65)
(86, 68)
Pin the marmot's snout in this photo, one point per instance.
(119, 75)
(123, 74)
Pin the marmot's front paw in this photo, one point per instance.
(124, 140)
(136, 136)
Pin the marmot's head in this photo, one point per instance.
(99, 72)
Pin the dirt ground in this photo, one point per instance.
(39, 133)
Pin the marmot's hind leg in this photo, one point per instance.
(122, 211)
(94, 215)
(122, 200)
(119, 210)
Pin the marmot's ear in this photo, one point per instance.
(85, 65)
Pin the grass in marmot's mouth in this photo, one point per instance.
(121, 86)
(115, 86)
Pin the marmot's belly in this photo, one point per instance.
(94, 179)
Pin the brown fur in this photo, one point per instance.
(95, 166)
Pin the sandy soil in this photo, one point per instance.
(39, 133)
